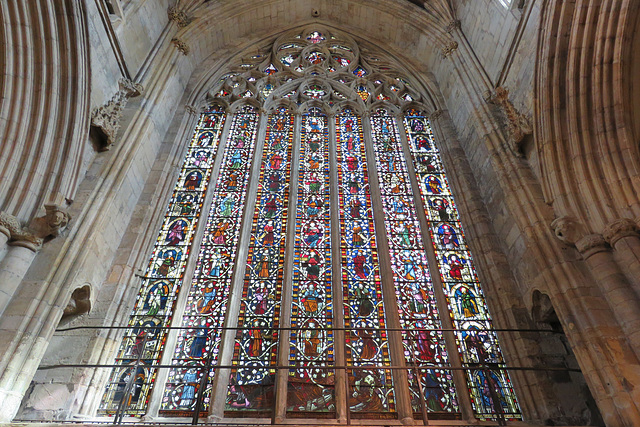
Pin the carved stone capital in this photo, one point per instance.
(518, 125)
(180, 45)
(38, 231)
(19, 236)
(591, 244)
(453, 25)
(449, 48)
(106, 118)
(191, 109)
(623, 227)
(567, 229)
(180, 17)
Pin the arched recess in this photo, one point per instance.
(360, 93)
(45, 108)
(584, 123)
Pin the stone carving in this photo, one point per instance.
(449, 48)
(191, 109)
(618, 229)
(453, 25)
(39, 230)
(518, 124)
(180, 45)
(568, 230)
(178, 16)
(80, 302)
(435, 115)
(591, 244)
(106, 118)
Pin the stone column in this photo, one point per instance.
(613, 284)
(13, 268)
(623, 236)
(5, 234)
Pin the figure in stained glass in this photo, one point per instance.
(314, 204)
(268, 234)
(218, 236)
(448, 236)
(208, 298)
(227, 204)
(313, 234)
(156, 298)
(311, 299)
(441, 207)
(455, 265)
(232, 181)
(271, 207)
(185, 204)
(359, 268)
(311, 340)
(197, 344)
(236, 160)
(410, 270)
(166, 263)
(176, 232)
(189, 389)
(193, 180)
(466, 301)
(434, 186)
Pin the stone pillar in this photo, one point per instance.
(5, 234)
(613, 284)
(13, 268)
(623, 236)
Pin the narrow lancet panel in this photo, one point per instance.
(143, 343)
(367, 349)
(488, 380)
(312, 340)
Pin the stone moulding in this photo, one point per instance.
(38, 231)
(106, 118)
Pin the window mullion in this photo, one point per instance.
(220, 383)
(340, 390)
(395, 342)
(459, 378)
(282, 375)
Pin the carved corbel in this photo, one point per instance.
(106, 118)
(623, 227)
(518, 125)
(449, 48)
(40, 230)
(180, 45)
(568, 230)
(80, 302)
(178, 16)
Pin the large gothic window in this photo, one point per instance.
(312, 262)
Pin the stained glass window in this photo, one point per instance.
(198, 343)
(143, 343)
(477, 342)
(312, 340)
(315, 219)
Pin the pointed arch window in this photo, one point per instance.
(331, 277)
